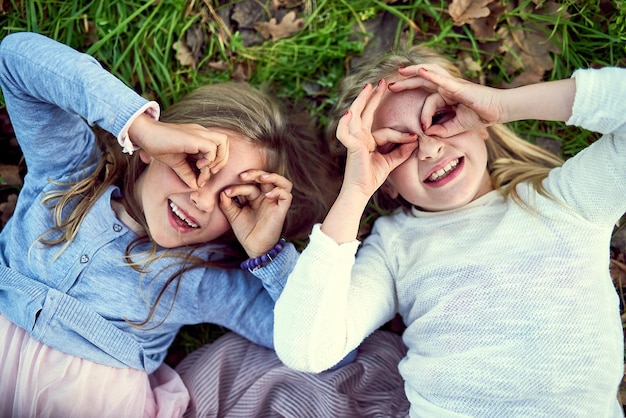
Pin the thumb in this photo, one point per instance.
(230, 209)
(187, 175)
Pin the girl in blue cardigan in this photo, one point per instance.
(107, 255)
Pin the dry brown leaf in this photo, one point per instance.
(485, 27)
(184, 55)
(10, 174)
(465, 11)
(276, 4)
(242, 72)
(218, 65)
(288, 26)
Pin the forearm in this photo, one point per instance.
(343, 219)
(311, 315)
(551, 101)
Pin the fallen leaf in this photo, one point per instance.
(218, 65)
(465, 11)
(10, 174)
(485, 27)
(242, 72)
(288, 26)
(184, 55)
(276, 4)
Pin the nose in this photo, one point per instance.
(204, 198)
(429, 147)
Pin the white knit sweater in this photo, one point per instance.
(508, 313)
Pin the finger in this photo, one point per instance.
(186, 174)
(388, 139)
(400, 154)
(203, 176)
(221, 157)
(267, 179)
(358, 106)
(243, 194)
(367, 118)
(281, 196)
(412, 83)
(228, 207)
(414, 80)
(447, 129)
(451, 85)
(432, 104)
(343, 131)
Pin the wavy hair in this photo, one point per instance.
(511, 159)
(292, 148)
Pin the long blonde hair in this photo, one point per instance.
(291, 146)
(511, 159)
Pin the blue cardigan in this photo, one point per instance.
(78, 301)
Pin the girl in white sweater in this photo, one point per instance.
(496, 257)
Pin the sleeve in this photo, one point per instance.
(332, 301)
(54, 94)
(593, 182)
(274, 275)
(242, 301)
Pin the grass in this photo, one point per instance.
(135, 41)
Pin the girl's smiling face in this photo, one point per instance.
(178, 215)
(442, 173)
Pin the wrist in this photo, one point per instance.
(264, 259)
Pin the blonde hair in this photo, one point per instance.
(291, 146)
(511, 159)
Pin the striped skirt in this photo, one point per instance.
(235, 378)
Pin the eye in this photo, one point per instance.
(192, 160)
(443, 115)
(239, 201)
(387, 148)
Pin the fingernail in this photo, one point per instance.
(365, 86)
(265, 175)
(391, 84)
(244, 174)
(423, 127)
(380, 82)
(347, 112)
(228, 192)
(402, 67)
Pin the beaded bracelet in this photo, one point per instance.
(263, 260)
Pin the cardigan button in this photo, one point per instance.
(84, 259)
(117, 227)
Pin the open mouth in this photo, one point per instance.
(445, 171)
(180, 218)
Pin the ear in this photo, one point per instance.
(389, 190)
(145, 157)
(484, 134)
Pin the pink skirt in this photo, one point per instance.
(39, 381)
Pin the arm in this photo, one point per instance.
(478, 106)
(332, 302)
(51, 90)
(366, 168)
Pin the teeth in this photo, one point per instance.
(180, 214)
(443, 171)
